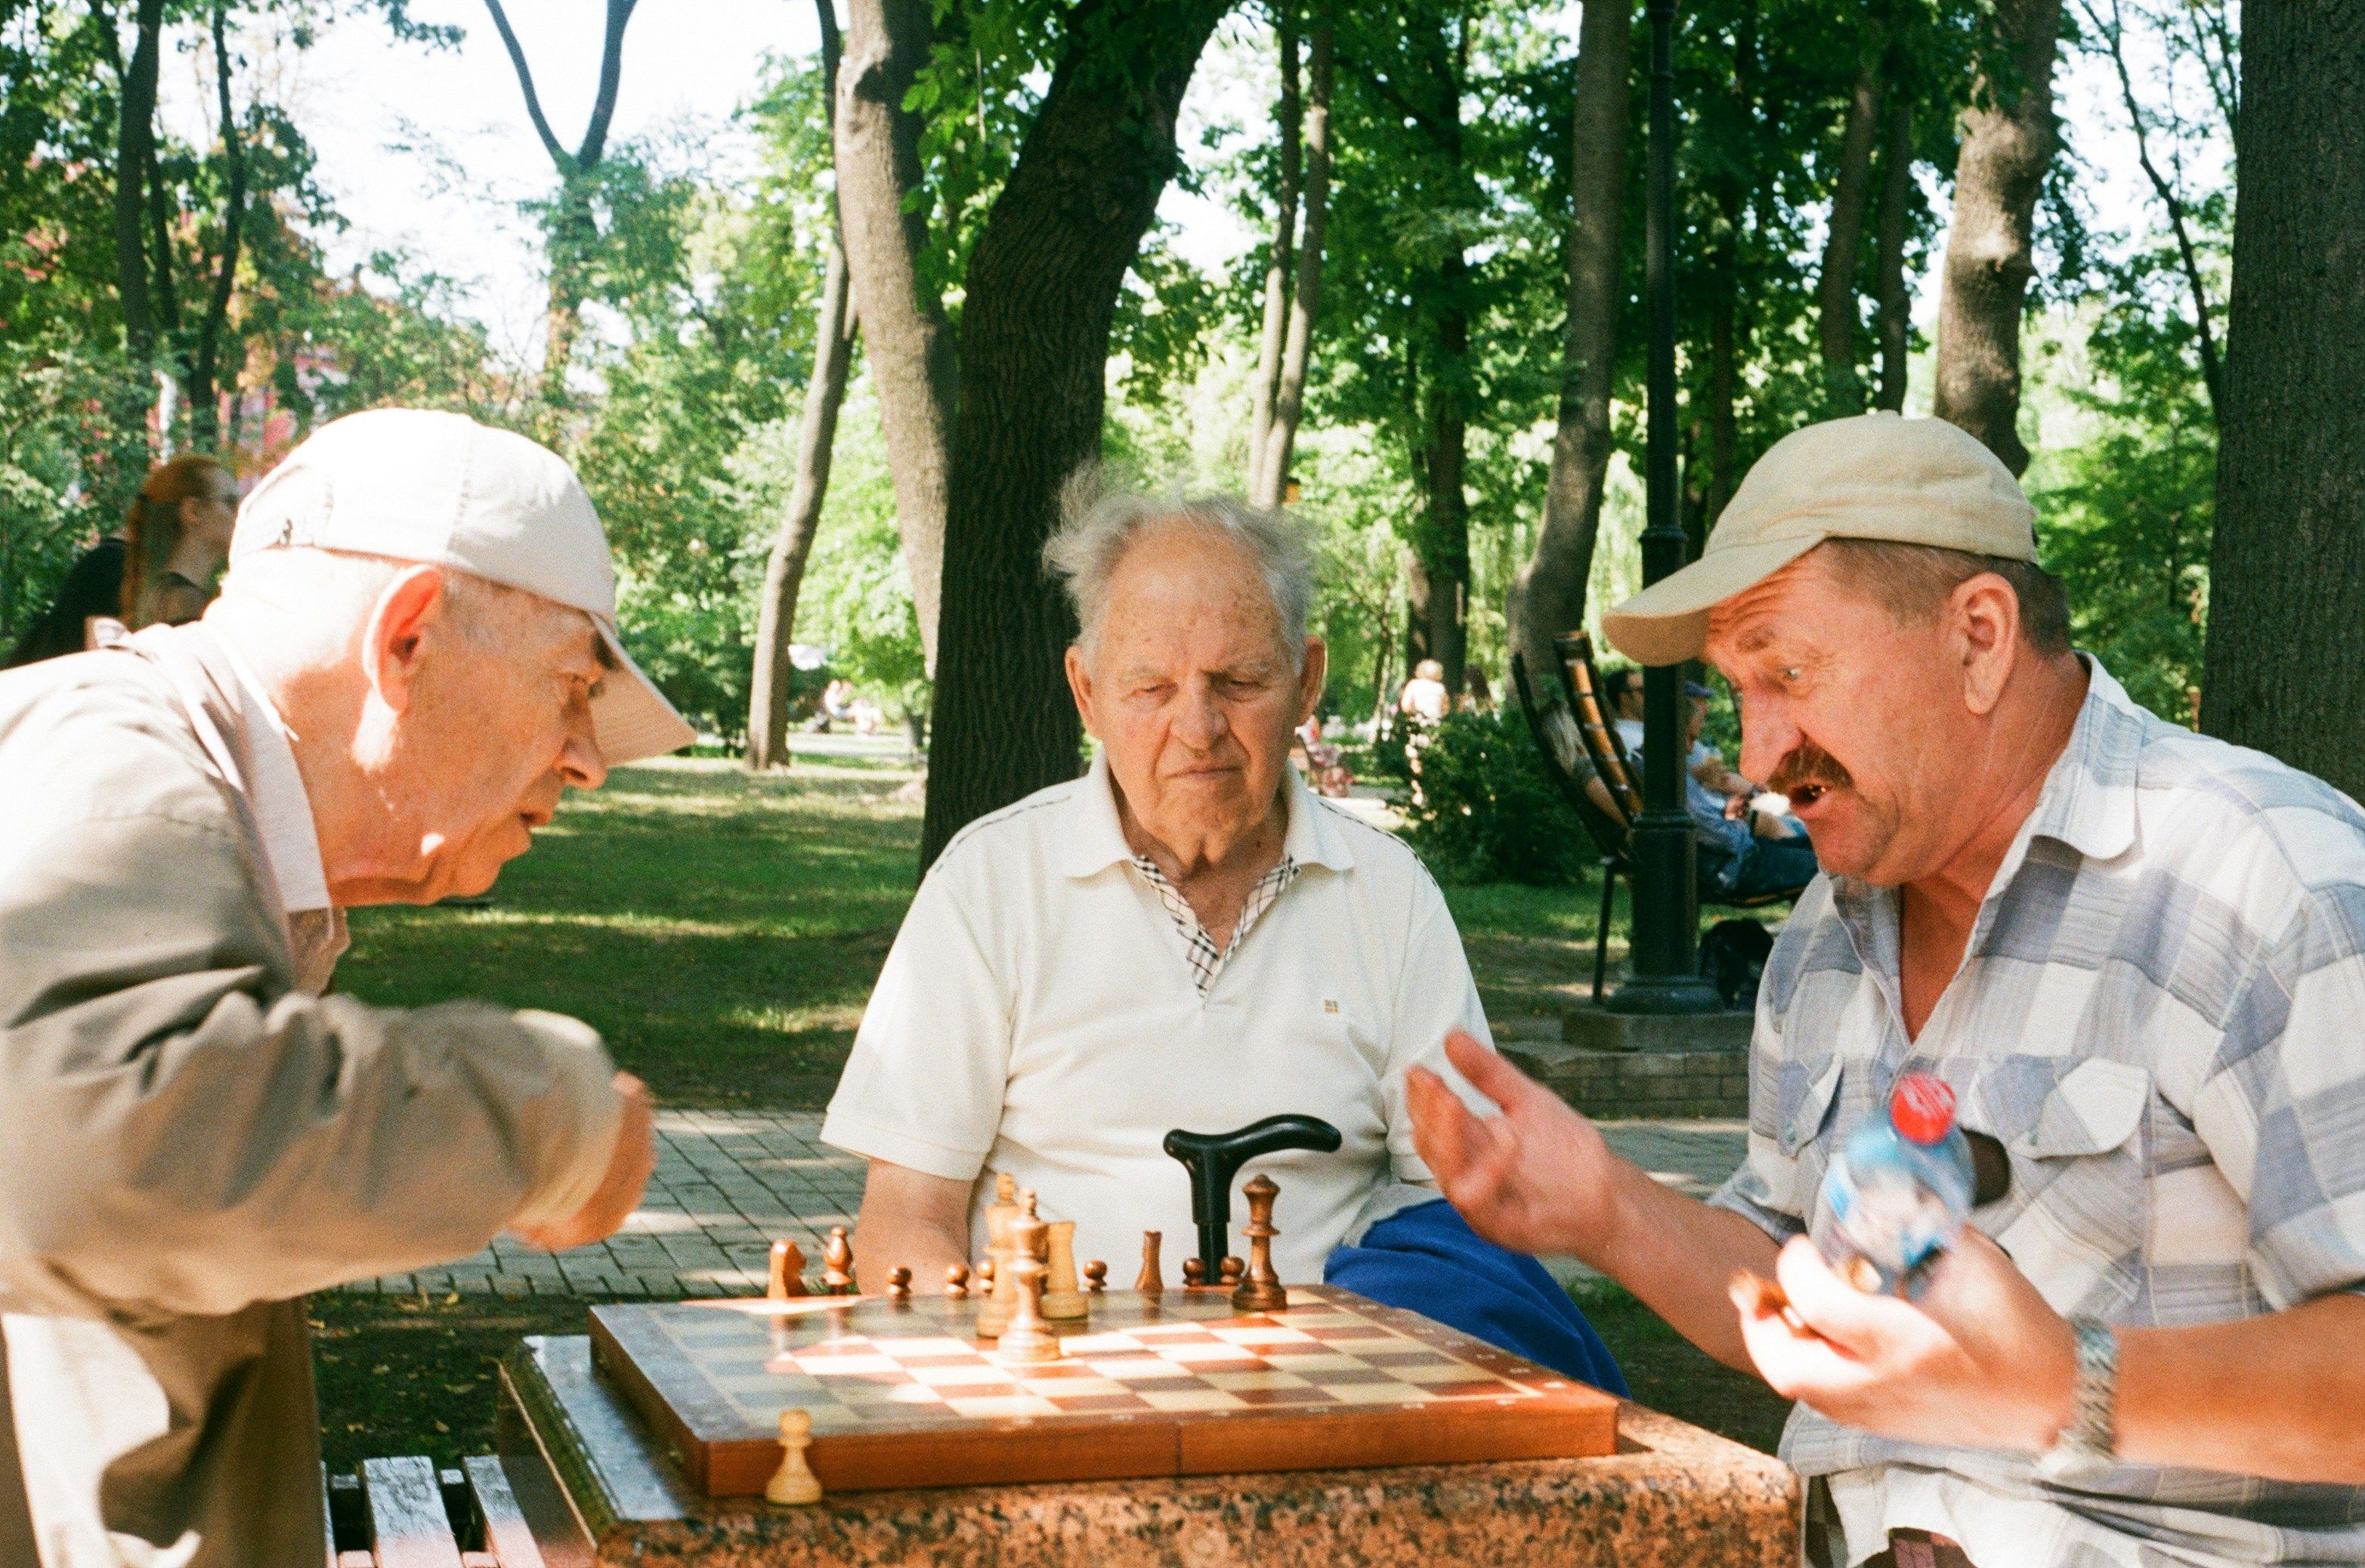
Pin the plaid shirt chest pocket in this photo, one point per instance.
(2080, 1209)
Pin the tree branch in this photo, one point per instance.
(558, 154)
(612, 70)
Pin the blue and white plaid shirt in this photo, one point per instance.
(2161, 1014)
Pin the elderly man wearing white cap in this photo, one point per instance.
(2136, 956)
(413, 657)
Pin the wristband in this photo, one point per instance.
(2090, 1439)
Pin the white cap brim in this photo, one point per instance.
(630, 716)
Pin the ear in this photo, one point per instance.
(1311, 678)
(1080, 684)
(1986, 618)
(407, 621)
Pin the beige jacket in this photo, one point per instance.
(190, 1140)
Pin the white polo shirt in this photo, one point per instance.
(1037, 1014)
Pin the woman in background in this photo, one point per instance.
(159, 571)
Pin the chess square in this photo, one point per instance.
(1313, 1363)
(961, 1375)
(1451, 1371)
(1190, 1399)
(936, 1348)
(864, 1391)
(1396, 1359)
(1264, 1337)
(1236, 1382)
(1476, 1388)
(1381, 1393)
(1133, 1368)
(1194, 1355)
(1352, 1377)
(847, 1366)
(1265, 1396)
(1066, 1388)
(1099, 1404)
(999, 1406)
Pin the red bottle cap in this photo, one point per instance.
(1922, 1108)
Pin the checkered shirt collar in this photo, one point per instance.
(1206, 959)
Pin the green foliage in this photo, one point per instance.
(73, 445)
(1484, 809)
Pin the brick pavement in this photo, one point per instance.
(728, 1184)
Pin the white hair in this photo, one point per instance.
(318, 601)
(1100, 521)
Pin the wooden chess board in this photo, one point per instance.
(902, 1394)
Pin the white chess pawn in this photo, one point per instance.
(794, 1484)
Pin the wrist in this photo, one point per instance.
(2088, 1439)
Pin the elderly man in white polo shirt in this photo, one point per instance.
(1186, 937)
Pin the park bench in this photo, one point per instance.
(1587, 759)
(405, 1513)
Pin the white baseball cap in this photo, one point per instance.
(441, 489)
(1867, 477)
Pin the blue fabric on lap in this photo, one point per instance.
(1427, 1260)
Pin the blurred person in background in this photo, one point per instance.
(158, 572)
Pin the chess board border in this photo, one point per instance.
(709, 1439)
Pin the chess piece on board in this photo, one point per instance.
(1260, 1289)
(1233, 1269)
(899, 1285)
(1195, 1274)
(838, 1264)
(1002, 1210)
(957, 1282)
(786, 1277)
(1001, 1280)
(1096, 1277)
(1029, 1339)
(1062, 1302)
(794, 1484)
(1151, 1280)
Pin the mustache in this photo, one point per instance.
(1808, 767)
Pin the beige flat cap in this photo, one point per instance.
(1869, 476)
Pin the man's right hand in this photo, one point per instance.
(630, 1161)
(1537, 1178)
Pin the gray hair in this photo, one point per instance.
(1099, 522)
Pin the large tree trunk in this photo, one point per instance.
(1548, 595)
(2008, 138)
(904, 332)
(135, 152)
(205, 390)
(2287, 565)
(784, 572)
(1835, 292)
(1042, 290)
(1289, 122)
(1888, 261)
(1289, 397)
(1445, 502)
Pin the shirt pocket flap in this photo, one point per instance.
(2093, 1108)
(1805, 1098)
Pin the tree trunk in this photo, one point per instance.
(1289, 398)
(135, 152)
(2287, 564)
(1445, 520)
(1042, 290)
(1289, 121)
(1888, 261)
(1548, 595)
(1835, 292)
(904, 332)
(205, 392)
(784, 572)
(2007, 142)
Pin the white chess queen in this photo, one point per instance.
(1186, 937)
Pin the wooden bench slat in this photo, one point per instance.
(408, 1527)
(507, 1535)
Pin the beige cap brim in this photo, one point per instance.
(1667, 622)
(630, 716)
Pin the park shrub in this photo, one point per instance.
(1484, 809)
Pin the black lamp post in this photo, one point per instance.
(1664, 951)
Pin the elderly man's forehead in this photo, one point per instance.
(1764, 613)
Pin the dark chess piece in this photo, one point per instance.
(838, 1264)
(1260, 1289)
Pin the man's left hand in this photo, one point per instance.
(1978, 1361)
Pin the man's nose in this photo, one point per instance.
(1769, 733)
(1202, 721)
(581, 763)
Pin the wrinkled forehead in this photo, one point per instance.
(1801, 605)
(1187, 594)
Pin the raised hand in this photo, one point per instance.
(1535, 1178)
(1980, 1360)
(630, 1159)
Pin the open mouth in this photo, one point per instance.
(1807, 794)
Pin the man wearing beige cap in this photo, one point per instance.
(413, 657)
(2135, 955)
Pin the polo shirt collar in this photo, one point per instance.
(1096, 835)
(275, 793)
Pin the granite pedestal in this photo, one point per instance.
(597, 1488)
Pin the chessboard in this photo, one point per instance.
(902, 1393)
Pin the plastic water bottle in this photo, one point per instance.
(1898, 1191)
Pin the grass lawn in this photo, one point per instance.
(407, 1376)
(722, 931)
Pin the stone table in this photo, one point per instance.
(597, 1489)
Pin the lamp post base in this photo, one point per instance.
(1658, 995)
(1665, 959)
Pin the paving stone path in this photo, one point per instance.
(728, 1184)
